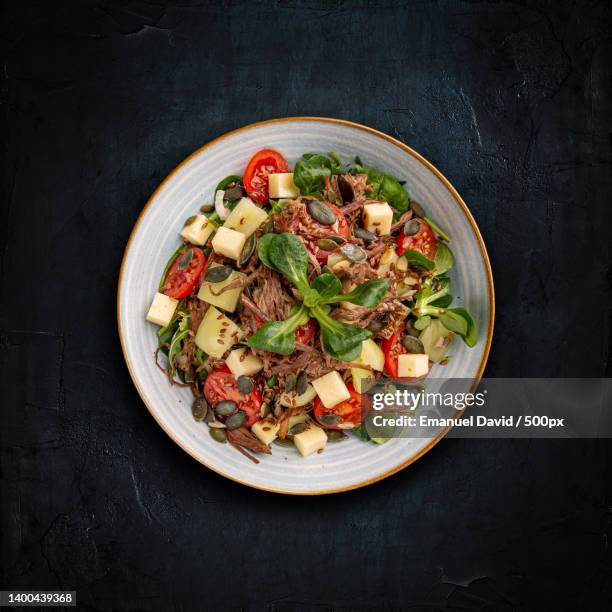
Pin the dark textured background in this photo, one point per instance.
(100, 101)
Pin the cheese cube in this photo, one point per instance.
(282, 185)
(412, 365)
(162, 309)
(372, 355)
(310, 441)
(246, 217)
(243, 363)
(331, 389)
(362, 379)
(216, 333)
(227, 300)
(266, 430)
(228, 242)
(198, 231)
(378, 218)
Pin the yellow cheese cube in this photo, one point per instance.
(282, 186)
(198, 231)
(331, 389)
(266, 430)
(362, 379)
(412, 365)
(227, 300)
(162, 309)
(246, 217)
(228, 242)
(378, 218)
(310, 441)
(216, 333)
(372, 355)
(243, 363)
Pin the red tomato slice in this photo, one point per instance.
(179, 283)
(220, 385)
(424, 241)
(264, 162)
(393, 348)
(303, 334)
(348, 411)
(343, 231)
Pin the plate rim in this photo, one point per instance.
(458, 199)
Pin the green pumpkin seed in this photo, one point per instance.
(412, 227)
(379, 321)
(321, 212)
(233, 193)
(417, 209)
(207, 208)
(353, 253)
(335, 435)
(411, 329)
(247, 250)
(245, 385)
(337, 239)
(327, 244)
(412, 344)
(330, 419)
(189, 220)
(199, 408)
(298, 428)
(218, 274)
(225, 408)
(290, 382)
(269, 226)
(236, 420)
(364, 234)
(185, 259)
(301, 384)
(283, 442)
(218, 435)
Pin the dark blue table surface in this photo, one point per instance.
(100, 101)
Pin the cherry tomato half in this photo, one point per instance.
(184, 273)
(343, 231)
(264, 162)
(424, 241)
(348, 411)
(220, 385)
(303, 334)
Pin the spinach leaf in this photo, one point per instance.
(394, 193)
(279, 336)
(368, 294)
(415, 258)
(454, 322)
(176, 344)
(327, 285)
(444, 259)
(311, 171)
(443, 301)
(263, 248)
(470, 337)
(289, 256)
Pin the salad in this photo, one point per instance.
(294, 291)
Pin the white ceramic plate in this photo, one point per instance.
(342, 466)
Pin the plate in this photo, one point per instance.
(351, 463)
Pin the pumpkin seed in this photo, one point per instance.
(337, 239)
(236, 420)
(207, 207)
(283, 441)
(417, 209)
(327, 244)
(321, 212)
(379, 321)
(364, 234)
(233, 193)
(269, 226)
(218, 274)
(412, 344)
(244, 384)
(290, 382)
(411, 329)
(298, 428)
(218, 435)
(412, 227)
(353, 253)
(225, 408)
(247, 250)
(301, 384)
(199, 408)
(185, 259)
(330, 419)
(346, 189)
(189, 220)
(335, 435)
